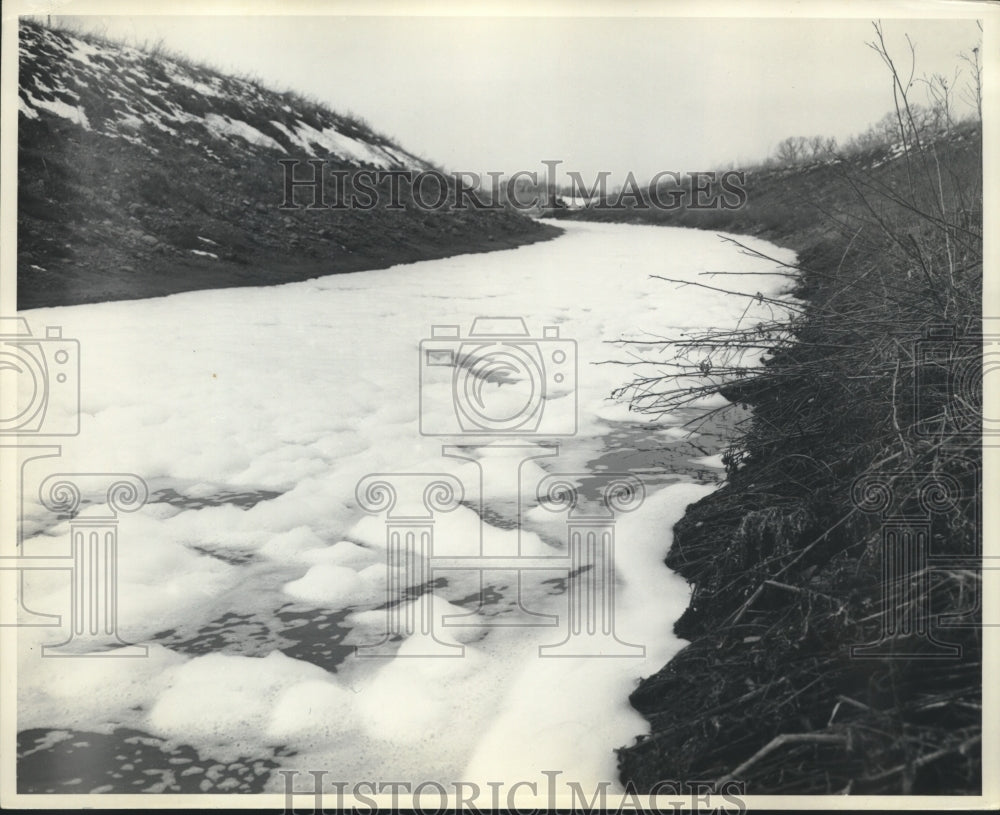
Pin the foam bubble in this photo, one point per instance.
(327, 584)
(311, 712)
(226, 701)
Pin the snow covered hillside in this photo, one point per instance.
(142, 174)
(123, 92)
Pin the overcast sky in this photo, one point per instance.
(616, 94)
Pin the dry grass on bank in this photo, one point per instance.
(863, 448)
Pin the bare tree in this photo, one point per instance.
(940, 92)
(791, 150)
(973, 91)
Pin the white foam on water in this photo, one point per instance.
(548, 708)
(305, 389)
(228, 703)
(94, 694)
(327, 584)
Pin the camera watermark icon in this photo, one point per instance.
(951, 369)
(498, 380)
(914, 509)
(41, 377)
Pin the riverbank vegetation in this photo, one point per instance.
(834, 631)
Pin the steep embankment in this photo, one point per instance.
(802, 205)
(142, 175)
(834, 622)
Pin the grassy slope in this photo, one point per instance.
(785, 565)
(113, 212)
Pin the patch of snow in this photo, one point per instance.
(182, 78)
(28, 111)
(130, 120)
(338, 144)
(61, 109)
(82, 51)
(224, 126)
